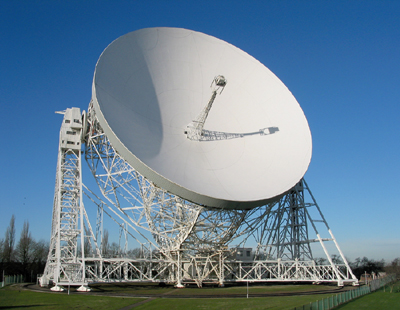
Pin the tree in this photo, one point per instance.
(134, 253)
(28, 257)
(114, 249)
(9, 241)
(1, 250)
(25, 246)
(394, 267)
(24, 252)
(365, 265)
(321, 261)
(104, 244)
(87, 247)
(40, 251)
(336, 259)
(39, 258)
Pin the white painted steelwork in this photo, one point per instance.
(173, 222)
(180, 238)
(65, 262)
(182, 242)
(151, 83)
(199, 249)
(195, 129)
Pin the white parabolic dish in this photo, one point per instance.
(151, 83)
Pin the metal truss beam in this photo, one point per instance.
(66, 261)
(178, 241)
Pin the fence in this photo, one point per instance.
(12, 279)
(338, 299)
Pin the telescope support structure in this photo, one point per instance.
(174, 240)
(66, 260)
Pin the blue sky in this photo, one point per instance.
(340, 59)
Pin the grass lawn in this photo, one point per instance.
(131, 289)
(16, 298)
(381, 299)
(253, 289)
(149, 289)
(276, 303)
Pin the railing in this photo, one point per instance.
(12, 279)
(338, 299)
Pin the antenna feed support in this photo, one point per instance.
(195, 128)
(219, 82)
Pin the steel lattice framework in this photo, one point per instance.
(178, 241)
(65, 262)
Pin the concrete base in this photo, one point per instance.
(57, 289)
(43, 281)
(83, 288)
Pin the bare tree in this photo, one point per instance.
(365, 265)
(104, 244)
(1, 250)
(321, 261)
(87, 247)
(40, 251)
(394, 267)
(336, 259)
(9, 241)
(134, 253)
(114, 249)
(25, 246)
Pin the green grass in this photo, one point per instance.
(276, 303)
(131, 289)
(16, 298)
(153, 289)
(381, 299)
(256, 289)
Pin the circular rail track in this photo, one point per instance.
(147, 291)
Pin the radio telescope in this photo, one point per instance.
(194, 145)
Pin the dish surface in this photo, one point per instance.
(150, 84)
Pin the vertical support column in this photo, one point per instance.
(99, 228)
(66, 260)
(179, 271)
(221, 277)
(290, 230)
